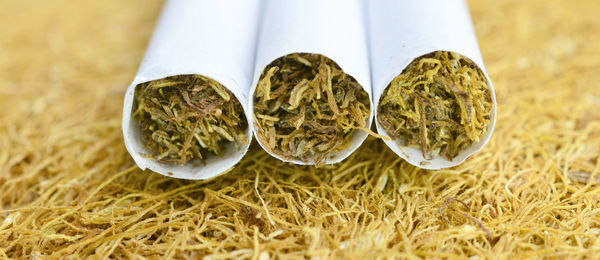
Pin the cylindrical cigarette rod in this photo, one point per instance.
(185, 112)
(431, 93)
(310, 100)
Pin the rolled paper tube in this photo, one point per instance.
(433, 97)
(197, 69)
(311, 88)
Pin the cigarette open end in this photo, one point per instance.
(307, 108)
(440, 103)
(187, 117)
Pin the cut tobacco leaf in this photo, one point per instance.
(305, 107)
(440, 103)
(187, 117)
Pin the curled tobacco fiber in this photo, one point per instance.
(441, 103)
(187, 117)
(305, 106)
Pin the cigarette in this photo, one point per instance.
(311, 96)
(184, 114)
(433, 97)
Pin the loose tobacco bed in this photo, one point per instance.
(187, 117)
(306, 107)
(440, 103)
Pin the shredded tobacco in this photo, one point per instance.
(187, 117)
(447, 203)
(305, 107)
(69, 189)
(440, 103)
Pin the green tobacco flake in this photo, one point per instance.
(305, 107)
(187, 117)
(440, 103)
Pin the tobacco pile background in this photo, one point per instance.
(68, 186)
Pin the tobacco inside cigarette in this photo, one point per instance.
(440, 103)
(187, 117)
(306, 107)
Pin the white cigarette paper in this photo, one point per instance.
(332, 28)
(400, 32)
(215, 39)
